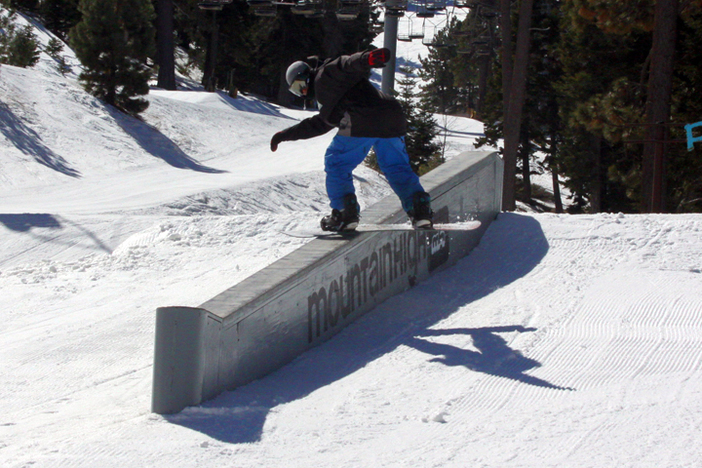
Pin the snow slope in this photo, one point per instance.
(560, 341)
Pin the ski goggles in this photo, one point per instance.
(299, 87)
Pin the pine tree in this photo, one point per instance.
(18, 46)
(440, 92)
(59, 16)
(541, 125)
(685, 167)
(600, 105)
(24, 5)
(613, 107)
(55, 48)
(476, 42)
(113, 41)
(424, 152)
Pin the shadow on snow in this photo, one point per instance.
(157, 144)
(493, 357)
(510, 249)
(40, 225)
(149, 138)
(255, 106)
(24, 222)
(30, 143)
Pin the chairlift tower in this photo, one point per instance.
(387, 84)
(394, 9)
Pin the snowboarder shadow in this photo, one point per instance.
(516, 244)
(493, 355)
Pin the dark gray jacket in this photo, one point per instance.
(350, 102)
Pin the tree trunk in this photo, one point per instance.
(558, 202)
(596, 198)
(515, 104)
(660, 84)
(553, 167)
(209, 80)
(285, 97)
(484, 66)
(507, 51)
(164, 45)
(525, 152)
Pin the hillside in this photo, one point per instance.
(564, 341)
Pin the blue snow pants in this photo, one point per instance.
(346, 153)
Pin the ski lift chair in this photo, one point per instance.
(265, 11)
(305, 7)
(416, 33)
(215, 5)
(377, 27)
(488, 14)
(319, 14)
(436, 5)
(440, 45)
(403, 31)
(348, 10)
(467, 3)
(395, 8)
(259, 3)
(431, 42)
(347, 13)
(424, 12)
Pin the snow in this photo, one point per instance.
(560, 341)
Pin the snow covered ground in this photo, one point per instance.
(568, 341)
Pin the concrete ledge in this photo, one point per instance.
(271, 317)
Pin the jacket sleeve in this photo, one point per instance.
(355, 63)
(308, 128)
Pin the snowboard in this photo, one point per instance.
(462, 226)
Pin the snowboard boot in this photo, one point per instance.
(421, 213)
(344, 220)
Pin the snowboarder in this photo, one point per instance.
(366, 118)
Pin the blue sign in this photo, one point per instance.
(690, 139)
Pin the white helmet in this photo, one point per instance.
(298, 77)
(297, 68)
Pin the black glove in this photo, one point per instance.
(378, 58)
(275, 141)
